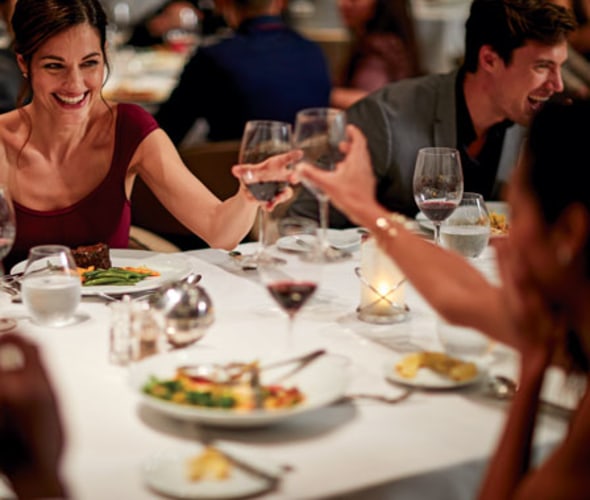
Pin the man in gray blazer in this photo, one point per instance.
(513, 58)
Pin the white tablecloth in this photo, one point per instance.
(433, 445)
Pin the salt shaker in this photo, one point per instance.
(121, 337)
(145, 330)
(135, 331)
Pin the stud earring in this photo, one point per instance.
(25, 75)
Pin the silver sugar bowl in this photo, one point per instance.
(184, 310)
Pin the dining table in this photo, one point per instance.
(433, 444)
(144, 76)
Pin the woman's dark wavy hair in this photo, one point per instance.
(506, 25)
(394, 16)
(555, 174)
(35, 21)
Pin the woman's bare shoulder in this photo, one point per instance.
(11, 121)
(13, 131)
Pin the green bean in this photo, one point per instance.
(112, 276)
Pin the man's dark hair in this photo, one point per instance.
(506, 25)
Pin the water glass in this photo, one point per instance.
(467, 230)
(51, 285)
(462, 342)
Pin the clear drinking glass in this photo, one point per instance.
(463, 342)
(261, 140)
(319, 133)
(467, 230)
(292, 284)
(51, 285)
(438, 184)
(7, 234)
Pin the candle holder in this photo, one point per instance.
(382, 287)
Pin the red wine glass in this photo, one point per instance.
(261, 140)
(293, 284)
(438, 184)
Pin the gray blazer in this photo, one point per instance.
(399, 119)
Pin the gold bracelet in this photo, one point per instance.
(384, 223)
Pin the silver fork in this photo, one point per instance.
(378, 397)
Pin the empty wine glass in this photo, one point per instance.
(291, 285)
(7, 234)
(467, 229)
(51, 285)
(319, 133)
(261, 140)
(438, 184)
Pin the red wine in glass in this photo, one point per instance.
(292, 295)
(263, 139)
(438, 184)
(266, 190)
(438, 210)
(293, 284)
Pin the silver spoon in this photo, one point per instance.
(192, 279)
(502, 387)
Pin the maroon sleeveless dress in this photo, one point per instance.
(102, 216)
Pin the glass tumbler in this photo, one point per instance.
(51, 286)
(467, 229)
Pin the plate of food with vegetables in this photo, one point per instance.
(171, 384)
(123, 275)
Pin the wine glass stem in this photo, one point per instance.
(324, 213)
(437, 233)
(261, 230)
(290, 328)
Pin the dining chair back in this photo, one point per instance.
(211, 162)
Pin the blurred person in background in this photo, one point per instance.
(580, 37)
(264, 71)
(10, 75)
(177, 15)
(383, 49)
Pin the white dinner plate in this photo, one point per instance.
(348, 240)
(170, 266)
(322, 382)
(167, 473)
(428, 379)
(500, 207)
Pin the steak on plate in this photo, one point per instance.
(93, 255)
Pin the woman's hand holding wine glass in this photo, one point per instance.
(260, 141)
(438, 184)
